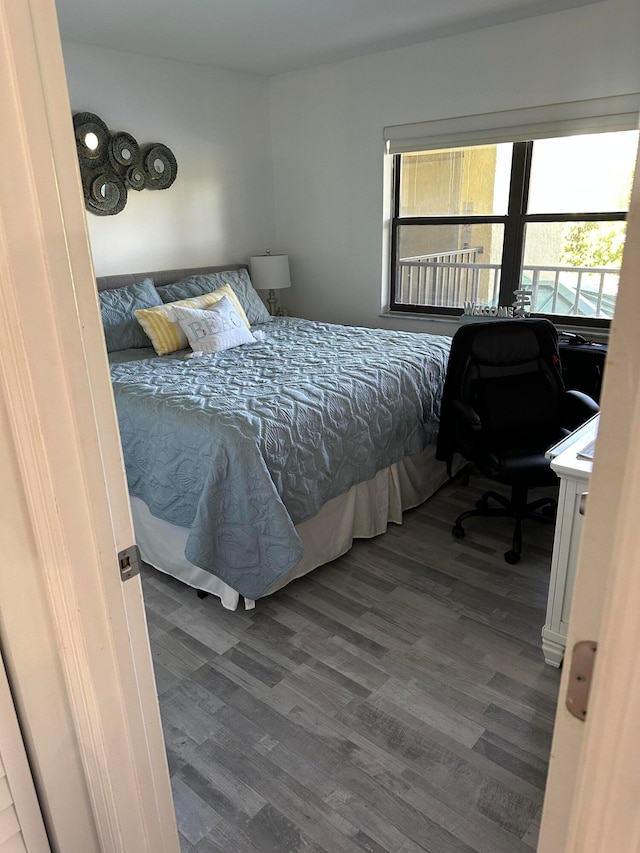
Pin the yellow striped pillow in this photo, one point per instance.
(168, 337)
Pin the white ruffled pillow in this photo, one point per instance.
(211, 329)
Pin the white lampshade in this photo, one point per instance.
(270, 272)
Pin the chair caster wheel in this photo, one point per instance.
(512, 557)
(482, 505)
(458, 531)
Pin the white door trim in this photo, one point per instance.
(74, 637)
(605, 814)
(591, 800)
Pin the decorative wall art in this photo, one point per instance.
(113, 163)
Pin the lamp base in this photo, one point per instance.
(273, 307)
(272, 301)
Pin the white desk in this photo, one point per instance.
(574, 474)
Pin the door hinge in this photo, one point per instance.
(580, 677)
(129, 561)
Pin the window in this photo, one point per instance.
(546, 216)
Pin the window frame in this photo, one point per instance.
(514, 221)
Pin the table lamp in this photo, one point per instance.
(270, 272)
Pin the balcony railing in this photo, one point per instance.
(449, 279)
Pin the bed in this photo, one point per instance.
(251, 466)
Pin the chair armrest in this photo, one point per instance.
(577, 407)
(469, 417)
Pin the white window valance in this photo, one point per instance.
(596, 115)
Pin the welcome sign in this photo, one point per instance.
(519, 308)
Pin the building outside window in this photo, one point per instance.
(475, 224)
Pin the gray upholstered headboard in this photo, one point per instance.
(160, 277)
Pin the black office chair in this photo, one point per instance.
(504, 404)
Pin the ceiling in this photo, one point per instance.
(274, 36)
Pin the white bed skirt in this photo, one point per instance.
(362, 512)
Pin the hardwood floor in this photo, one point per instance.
(396, 700)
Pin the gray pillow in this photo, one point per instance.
(121, 329)
(238, 281)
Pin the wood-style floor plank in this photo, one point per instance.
(395, 701)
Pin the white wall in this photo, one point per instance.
(327, 135)
(220, 208)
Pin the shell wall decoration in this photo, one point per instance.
(111, 164)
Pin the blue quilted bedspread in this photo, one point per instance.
(241, 445)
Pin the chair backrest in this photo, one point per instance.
(512, 377)
(509, 372)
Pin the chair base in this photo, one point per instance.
(517, 508)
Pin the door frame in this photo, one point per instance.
(73, 635)
(592, 786)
